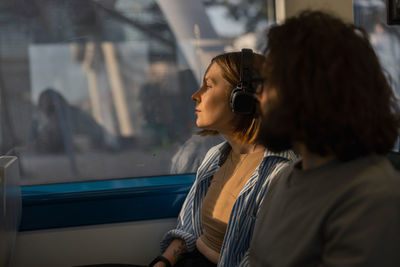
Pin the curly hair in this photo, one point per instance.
(332, 95)
(246, 127)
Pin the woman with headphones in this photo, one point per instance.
(217, 219)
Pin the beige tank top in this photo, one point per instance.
(222, 193)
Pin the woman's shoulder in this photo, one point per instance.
(288, 155)
(190, 155)
(218, 149)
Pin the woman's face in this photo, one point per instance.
(212, 102)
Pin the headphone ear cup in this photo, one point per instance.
(242, 102)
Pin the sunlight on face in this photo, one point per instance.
(212, 102)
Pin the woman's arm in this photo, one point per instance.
(173, 252)
(183, 237)
(185, 229)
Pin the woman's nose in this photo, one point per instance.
(196, 96)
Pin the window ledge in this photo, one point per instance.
(99, 202)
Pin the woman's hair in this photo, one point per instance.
(332, 94)
(245, 127)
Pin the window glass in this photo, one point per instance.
(102, 89)
(372, 16)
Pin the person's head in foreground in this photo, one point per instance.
(326, 90)
(327, 97)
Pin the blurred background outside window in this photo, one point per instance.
(372, 16)
(101, 89)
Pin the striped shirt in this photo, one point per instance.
(234, 251)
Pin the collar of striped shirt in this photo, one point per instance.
(218, 156)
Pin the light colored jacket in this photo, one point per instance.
(234, 251)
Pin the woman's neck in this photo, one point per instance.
(242, 148)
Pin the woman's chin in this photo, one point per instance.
(202, 125)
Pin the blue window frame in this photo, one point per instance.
(99, 202)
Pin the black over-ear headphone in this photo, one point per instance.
(242, 100)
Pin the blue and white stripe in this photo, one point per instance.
(234, 251)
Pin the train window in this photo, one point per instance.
(372, 16)
(101, 89)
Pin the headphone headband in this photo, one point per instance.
(246, 61)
